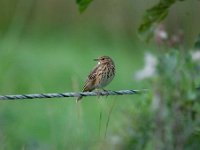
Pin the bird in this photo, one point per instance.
(102, 74)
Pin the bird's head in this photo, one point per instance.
(104, 59)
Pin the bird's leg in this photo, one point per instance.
(98, 93)
(105, 91)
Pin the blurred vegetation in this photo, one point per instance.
(48, 46)
(171, 118)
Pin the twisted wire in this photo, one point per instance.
(69, 94)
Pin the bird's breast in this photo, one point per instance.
(106, 75)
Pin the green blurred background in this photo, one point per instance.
(49, 46)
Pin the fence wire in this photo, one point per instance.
(69, 94)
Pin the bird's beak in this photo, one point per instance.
(96, 59)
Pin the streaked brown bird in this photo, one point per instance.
(100, 76)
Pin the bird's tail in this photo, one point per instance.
(79, 98)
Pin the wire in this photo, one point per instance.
(70, 94)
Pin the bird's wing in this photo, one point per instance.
(89, 84)
(93, 73)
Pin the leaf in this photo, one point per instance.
(152, 16)
(83, 4)
(197, 43)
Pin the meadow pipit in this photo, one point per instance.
(100, 76)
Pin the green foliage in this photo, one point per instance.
(34, 62)
(83, 4)
(197, 43)
(171, 119)
(175, 89)
(154, 15)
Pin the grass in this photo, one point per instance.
(60, 62)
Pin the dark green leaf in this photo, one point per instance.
(154, 15)
(197, 43)
(83, 4)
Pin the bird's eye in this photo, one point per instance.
(103, 59)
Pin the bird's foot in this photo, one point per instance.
(106, 92)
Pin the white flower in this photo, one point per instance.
(149, 68)
(195, 55)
